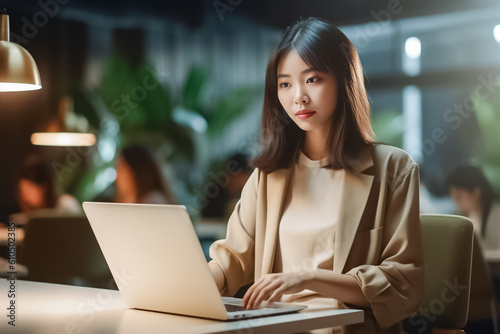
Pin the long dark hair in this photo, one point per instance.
(469, 178)
(326, 49)
(147, 175)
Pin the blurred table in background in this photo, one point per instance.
(210, 230)
(491, 255)
(4, 235)
(211, 227)
(21, 270)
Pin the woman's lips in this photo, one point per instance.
(303, 114)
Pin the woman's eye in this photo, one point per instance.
(312, 80)
(284, 85)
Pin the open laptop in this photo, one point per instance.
(158, 264)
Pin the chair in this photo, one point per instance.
(448, 242)
(482, 297)
(64, 250)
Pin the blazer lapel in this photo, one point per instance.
(278, 183)
(356, 188)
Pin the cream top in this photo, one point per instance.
(307, 227)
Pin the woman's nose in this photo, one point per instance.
(301, 97)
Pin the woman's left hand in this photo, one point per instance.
(271, 288)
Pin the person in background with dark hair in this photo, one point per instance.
(139, 179)
(328, 218)
(476, 199)
(36, 190)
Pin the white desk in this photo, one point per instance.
(53, 308)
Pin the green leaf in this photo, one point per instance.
(155, 104)
(232, 106)
(389, 127)
(192, 97)
(84, 107)
(182, 141)
(116, 79)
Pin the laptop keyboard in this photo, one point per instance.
(234, 308)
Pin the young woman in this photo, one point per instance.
(476, 199)
(328, 218)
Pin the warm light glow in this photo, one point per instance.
(496, 33)
(17, 87)
(18, 70)
(413, 47)
(63, 139)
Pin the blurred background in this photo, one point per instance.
(172, 92)
(185, 80)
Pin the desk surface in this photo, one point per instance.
(54, 308)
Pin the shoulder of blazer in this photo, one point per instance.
(391, 163)
(277, 174)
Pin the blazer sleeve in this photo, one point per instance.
(235, 254)
(395, 287)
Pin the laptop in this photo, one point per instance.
(157, 261)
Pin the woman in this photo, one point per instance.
(328, 218)
(36, 190)
(138, 178)
(476, 199)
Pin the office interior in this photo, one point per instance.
(182, 84)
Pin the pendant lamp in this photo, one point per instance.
(67, 129)
(18, 71)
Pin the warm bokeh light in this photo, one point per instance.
(17, 87)
(63, 139)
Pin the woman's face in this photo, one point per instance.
(467, 201)
(308, 96)
(31, 195)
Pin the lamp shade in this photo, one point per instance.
(63, 139)
(18, 70)
(67, 129)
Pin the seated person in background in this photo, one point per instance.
(139, 179)
(476, 199)
(230, 182)
(36, 190)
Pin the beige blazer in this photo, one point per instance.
(378, 239)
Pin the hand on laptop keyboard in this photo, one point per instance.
(234, 308)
